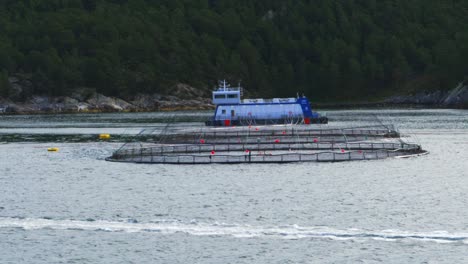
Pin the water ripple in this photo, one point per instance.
(223, 229)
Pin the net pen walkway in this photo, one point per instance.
(269, 144)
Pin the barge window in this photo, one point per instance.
(232, 95)
(220, 96)
(233, 113)
(223, 112)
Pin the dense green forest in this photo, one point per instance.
(327, 49)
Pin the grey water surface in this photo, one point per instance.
(72, 206)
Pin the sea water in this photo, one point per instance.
(72, 206)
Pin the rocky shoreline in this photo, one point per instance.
(99, 103)
(455, 98)
(184, 97)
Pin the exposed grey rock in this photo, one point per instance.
(69, 101)
(4, 104)
(185, 105)
(12, 108)
(82, 94)
(184, 91)
(146, 102)
(170, 98)
(82, 107)
(39, 100)
(432, 98)
(457, 98)
(123, 104)
(87, 100)
(67, 104)
(108, 104)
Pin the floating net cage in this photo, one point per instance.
(174, 143)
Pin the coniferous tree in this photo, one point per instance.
(330, 49)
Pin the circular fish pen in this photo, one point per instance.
(264, 144)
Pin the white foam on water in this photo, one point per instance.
(239, 231)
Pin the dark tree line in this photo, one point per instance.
(328, 49)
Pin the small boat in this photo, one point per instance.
(232, 110)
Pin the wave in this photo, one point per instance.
(239, 231)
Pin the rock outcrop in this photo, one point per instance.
(181, 97)
(456, 98)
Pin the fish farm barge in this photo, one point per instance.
(264, 144)
(231, 109)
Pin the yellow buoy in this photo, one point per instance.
(53, 149)
(104, 136)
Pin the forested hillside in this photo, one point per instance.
(327, 49)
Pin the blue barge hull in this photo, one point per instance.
(317, 120)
